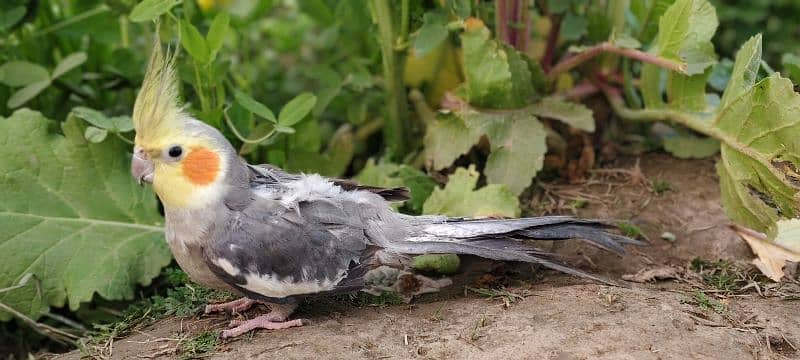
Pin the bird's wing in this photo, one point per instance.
(271, 177)
(276, 254)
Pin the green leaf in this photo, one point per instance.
(22, 73)
(625, 40)
(745, 70)
(95, 135)
(649, 17)
(68, 63)
(573, 27)
(497, 76)
(431, 34)
(193, 42)
(760, 153)
(27, 93)
(685, 32)
(254, 106)
(93, 116)
(459, 8)
(518, 148)
(151, 9)
(573, 114)
(71, 216)
(786, 233)
(296, 109)
(284, 129)
(11, 17)
(447, 138)
(216, 34)
(459, 198)
(446, 264)
(791, 66)
(391, 175)
(691, 147)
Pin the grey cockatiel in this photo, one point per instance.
(276, 237)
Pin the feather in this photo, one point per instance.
(157, 110)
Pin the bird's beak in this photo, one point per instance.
(141, 166)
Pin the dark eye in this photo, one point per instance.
(175, 151)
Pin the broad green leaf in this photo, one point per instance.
(216, 34)
(123, 123)
(431, 34)
(391, 175)
(625, 40)
(791, 66)
(296, 109)
(786, 233)
(745, 70)
(22, 73)
(68, 63)
(573, 27)
(649, 14)
(518, 149)
(27, 93)
(460, 198)
(691, 147)
(760, 153)
(72, 216)
(688, 93)
(254, 106)
(496, 75)
(573, 114)
(685, 32)
(193, 42)
(151, 9)
(318, 10)
(721, 75)
(11, 17)
(447, 138)
(95, 134)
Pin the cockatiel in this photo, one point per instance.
(276, 238)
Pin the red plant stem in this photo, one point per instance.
(501, 20)
(552, 41)
(573, 61)
(512, 23)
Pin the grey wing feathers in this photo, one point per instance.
(273, 253)
(271, 177)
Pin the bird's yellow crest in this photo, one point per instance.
(157, 110)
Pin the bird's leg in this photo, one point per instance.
(274, 320)
(234, 307)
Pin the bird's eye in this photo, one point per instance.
(175, 151)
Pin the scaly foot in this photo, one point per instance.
(274, 320)
(262, 322)
(234, 307)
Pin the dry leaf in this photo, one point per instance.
(771, 257)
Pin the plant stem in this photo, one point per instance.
(606, 47)
(394, 130)
(73, 20)
(124, 26)
(404, 18)
(199, 88)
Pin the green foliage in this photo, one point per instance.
(395, 175)
(442, 264)
(460, 198)
(691, 147)
(199, 345)
(64, 198)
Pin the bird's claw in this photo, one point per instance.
(239, 327)
(234, 307)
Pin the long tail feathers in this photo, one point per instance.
(509, 240)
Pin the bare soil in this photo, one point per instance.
(551, 316)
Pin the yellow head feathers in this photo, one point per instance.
(157, 110)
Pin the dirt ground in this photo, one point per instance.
(549, 315)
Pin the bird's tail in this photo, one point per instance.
(511, 239)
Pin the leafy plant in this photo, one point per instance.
(65, 198)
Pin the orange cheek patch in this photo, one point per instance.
(201, 166)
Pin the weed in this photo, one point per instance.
(199, 345)
(704, 302)
(723, 275)
(630, 230)
(580, 203)
(661, 186)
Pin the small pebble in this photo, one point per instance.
(668, 236)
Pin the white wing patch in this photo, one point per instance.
(271, 286)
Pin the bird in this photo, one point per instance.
(276, 237)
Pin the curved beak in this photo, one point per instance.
(141, 166)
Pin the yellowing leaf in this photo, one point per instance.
(72, 216)
(448, 138)
(772, 257)
(460, 198)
